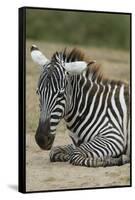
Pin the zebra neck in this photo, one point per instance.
(79, 86)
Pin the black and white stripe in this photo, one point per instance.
(51, 92)
(96, 112)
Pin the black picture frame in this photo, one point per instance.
(22, 99)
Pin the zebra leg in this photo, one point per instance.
(87, 155)
(61, 153)
(80, 160)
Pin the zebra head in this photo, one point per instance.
(54, 93)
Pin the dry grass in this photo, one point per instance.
(43, 175)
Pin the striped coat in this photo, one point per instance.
(96, 111)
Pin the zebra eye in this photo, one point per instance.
(61, 92)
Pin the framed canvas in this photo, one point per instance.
(74, 99)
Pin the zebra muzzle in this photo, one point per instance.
(44, 142)
(43, 137)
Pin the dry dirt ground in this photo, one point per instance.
(40, 173)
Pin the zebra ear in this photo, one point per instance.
(76, 67)
(37, 56)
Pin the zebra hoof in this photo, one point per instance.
(57, 154)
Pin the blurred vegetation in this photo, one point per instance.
(79, 28)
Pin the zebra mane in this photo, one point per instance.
(76, 54)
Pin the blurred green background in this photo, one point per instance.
(79, 28)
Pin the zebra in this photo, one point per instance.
(96, 110)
